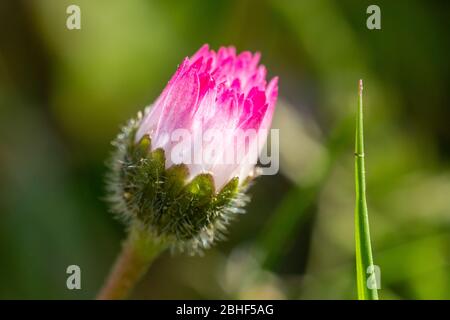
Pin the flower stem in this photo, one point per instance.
(364, 260)
(138, 252)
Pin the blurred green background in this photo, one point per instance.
(64, 94)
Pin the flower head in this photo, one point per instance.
(180, 168)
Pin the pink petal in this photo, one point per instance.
(221, 91)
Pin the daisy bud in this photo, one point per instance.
(180, 170)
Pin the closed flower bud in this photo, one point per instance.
(181, 168)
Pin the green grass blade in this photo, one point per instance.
(364, 258)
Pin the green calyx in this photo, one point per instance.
(188, 215)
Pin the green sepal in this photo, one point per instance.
(176, 177)
(142, 148)
(189, 212)
(174, 182)
(201, 189)
(227, 193)
(151, 169)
